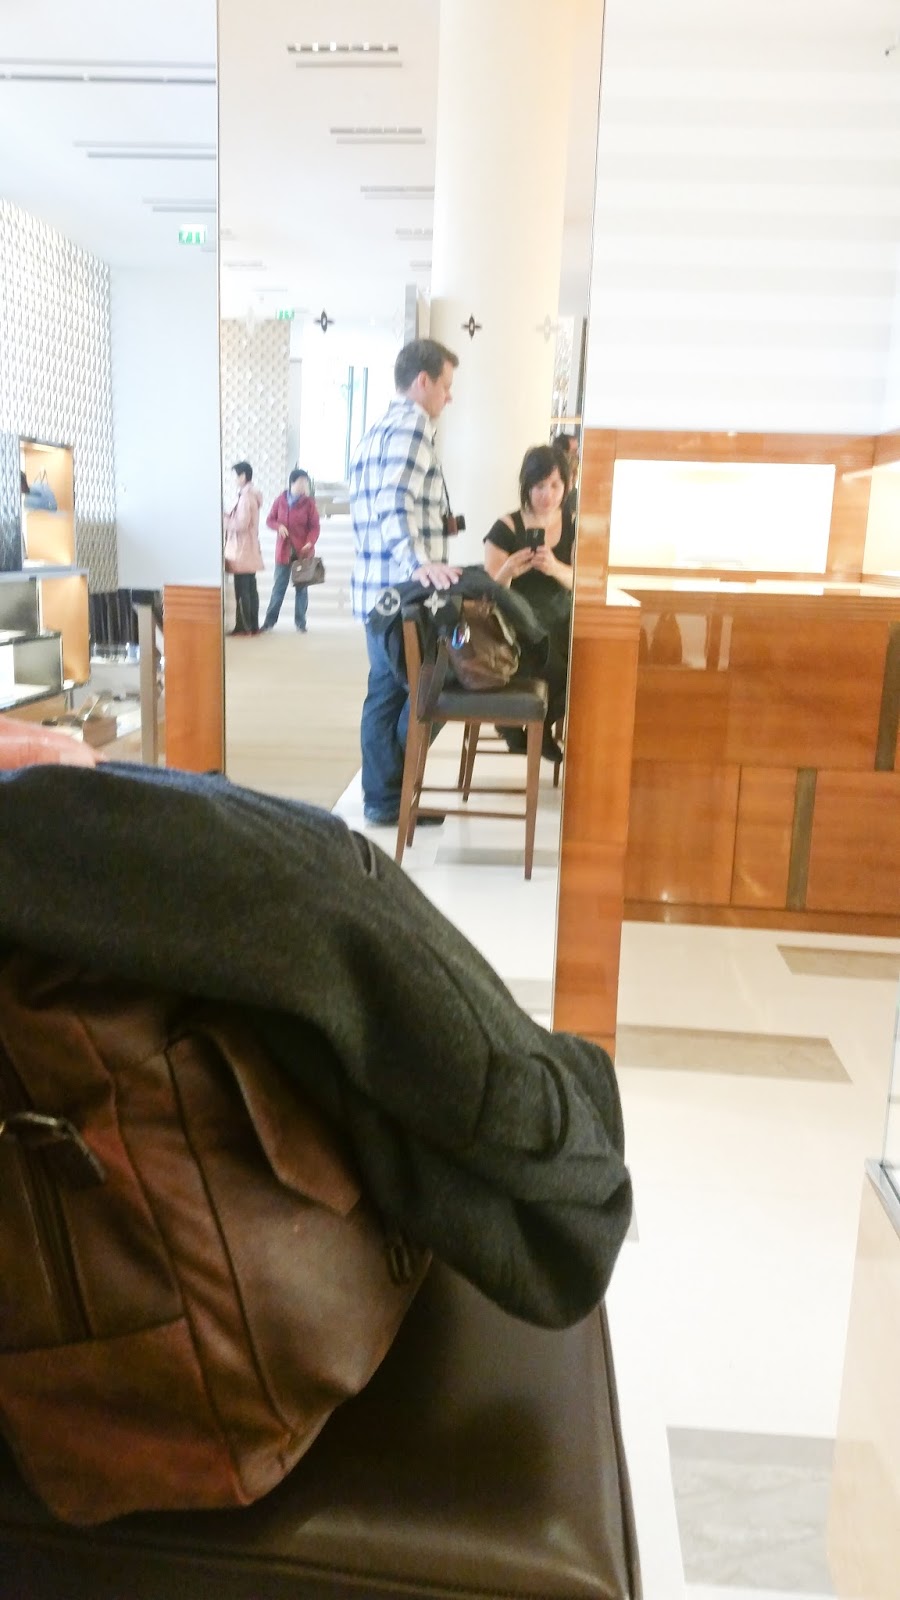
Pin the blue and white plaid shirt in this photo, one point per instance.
(397, 501)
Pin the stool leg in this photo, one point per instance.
(532, 785)
(474, 735)
(464, 753)
(423, 742)
(406, 820)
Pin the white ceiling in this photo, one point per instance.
(290, 192)
(100, 202)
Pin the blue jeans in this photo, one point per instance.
(279, 588)
(385, 719)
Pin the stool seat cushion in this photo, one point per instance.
(484, 1458)
(523, 700)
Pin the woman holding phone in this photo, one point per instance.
(531, 550)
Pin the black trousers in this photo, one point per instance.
(246, 598)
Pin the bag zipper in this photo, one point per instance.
(46, 1209)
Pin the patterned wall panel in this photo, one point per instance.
(55, 375)
(256, 368)
(10, 521)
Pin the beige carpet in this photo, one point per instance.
(292, 708)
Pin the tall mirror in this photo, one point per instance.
(389, 172)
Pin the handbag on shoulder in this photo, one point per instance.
(191, 1279)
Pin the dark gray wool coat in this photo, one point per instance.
(477, 1133)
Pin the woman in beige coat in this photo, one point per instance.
(243, 556)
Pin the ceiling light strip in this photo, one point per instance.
(160, 82)
(334, 64)
(379, 132)
(94, 63)
(333, 48)
(149, 155)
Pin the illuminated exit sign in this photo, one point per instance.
(192, 235)
(285, 315)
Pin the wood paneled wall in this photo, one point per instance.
(762, 795)
(195, 688)
(596, 790)
(851, 455)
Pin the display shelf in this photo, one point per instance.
(26, 694)
(48, 537)
(44, 609)
(41, 569)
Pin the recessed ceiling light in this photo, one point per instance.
(397, 191)
(349, 49)
(379, 130)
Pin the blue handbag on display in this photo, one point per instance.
(40, 496)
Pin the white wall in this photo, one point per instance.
(748, 216)
(165, 367)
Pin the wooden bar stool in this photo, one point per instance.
(522, 703)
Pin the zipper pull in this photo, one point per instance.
(59, 1144)
(404, 1259)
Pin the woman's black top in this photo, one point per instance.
(548, 599)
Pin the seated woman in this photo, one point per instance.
(531, 550)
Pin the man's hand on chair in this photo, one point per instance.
(435, 575)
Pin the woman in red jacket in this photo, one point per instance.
(296, 519)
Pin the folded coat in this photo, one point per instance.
(476, 1131)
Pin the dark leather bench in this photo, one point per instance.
(483, 1460)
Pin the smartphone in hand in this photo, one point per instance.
(533, 539)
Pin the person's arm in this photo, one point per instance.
(545, 561)
(273, 520)
(312, 523)
(24, 744)
(502, 561)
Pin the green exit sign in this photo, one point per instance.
(191, 235)
(285, 315)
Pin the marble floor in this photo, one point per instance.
(753, 1070)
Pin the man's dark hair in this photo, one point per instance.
(421, 355)
(298, 472)
(560, 450)
(540, 462)
(243, 470)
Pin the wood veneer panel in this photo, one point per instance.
(681, 715)
(853, 451)
(64, 609)
(598, 459)
(194, 678)
(887, 448)
(596, 789)
(850, 510)
(854, 862)
(681, 833)
(805, 691)
(762, 845)
(873, 927)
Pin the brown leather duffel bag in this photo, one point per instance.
(190, 1279)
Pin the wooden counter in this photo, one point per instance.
(765, 775)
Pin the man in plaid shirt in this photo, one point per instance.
(397, 501)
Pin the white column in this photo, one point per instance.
(504, 83)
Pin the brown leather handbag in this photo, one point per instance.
(483, 652)
(306, 571)
(190, 1278)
